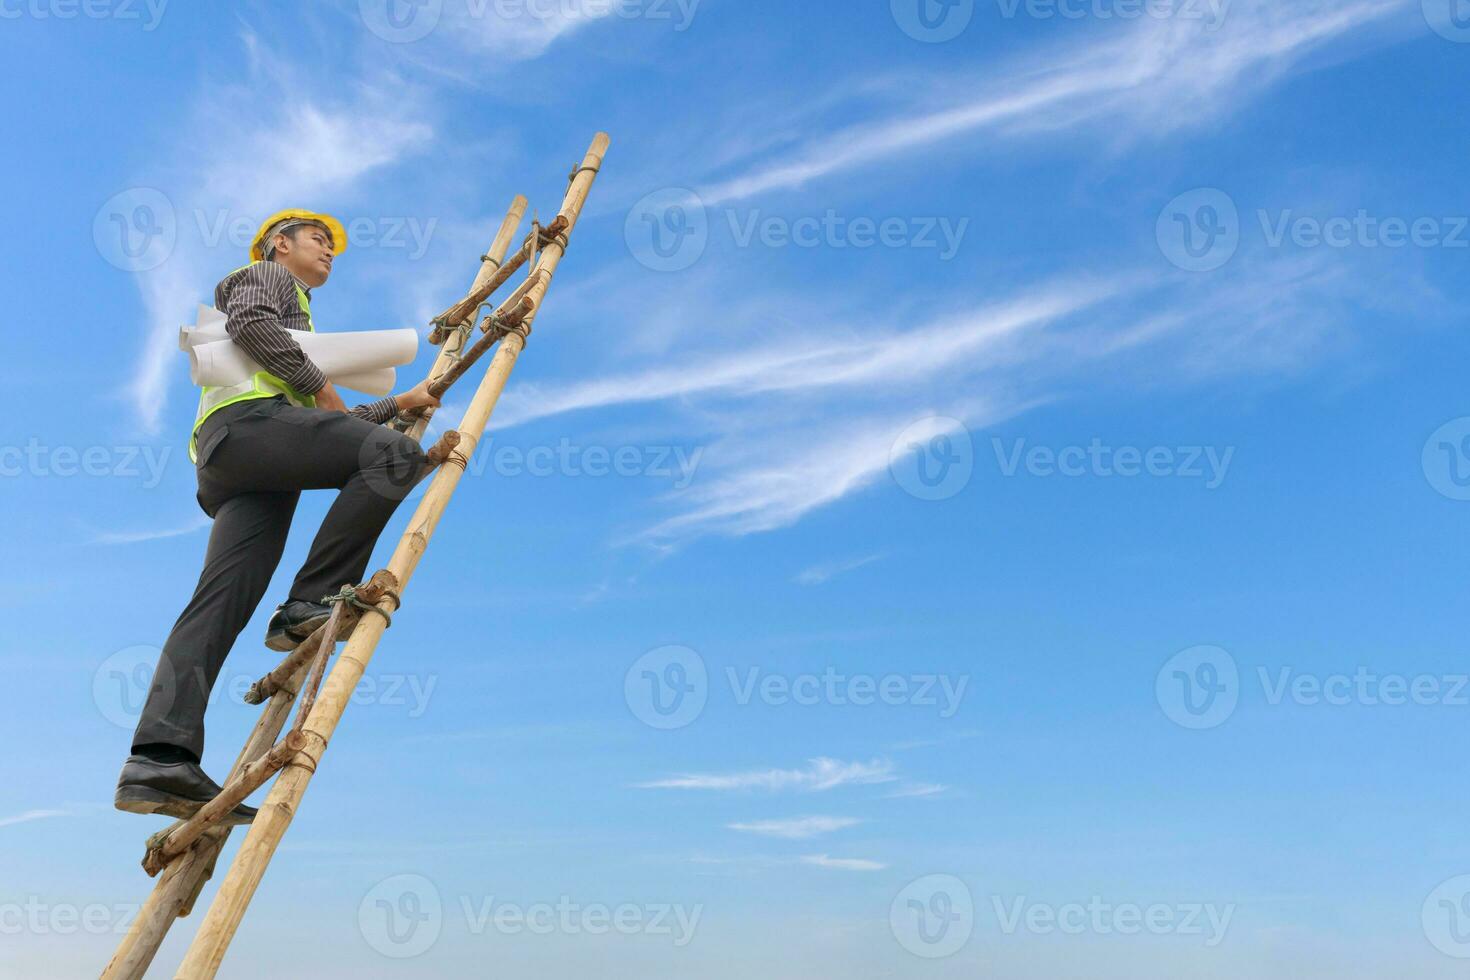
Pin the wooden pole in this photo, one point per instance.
(454, 343)
(465, 308)
(172, 843)
(173, 895)
(280, 806)
(180, 883)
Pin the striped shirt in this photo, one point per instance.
(261, 309)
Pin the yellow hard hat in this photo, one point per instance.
(339, 234)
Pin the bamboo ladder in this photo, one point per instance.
(183, 856)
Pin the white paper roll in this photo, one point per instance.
(377, 383)
(360, 360)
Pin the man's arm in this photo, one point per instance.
(379, 411)
(258, 302)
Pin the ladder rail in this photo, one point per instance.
(181, 881)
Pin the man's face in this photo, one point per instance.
(306, 253)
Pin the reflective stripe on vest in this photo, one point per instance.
(262, 384)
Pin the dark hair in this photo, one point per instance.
(290, 231)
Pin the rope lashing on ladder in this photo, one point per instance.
(496, 327)
(349, 596)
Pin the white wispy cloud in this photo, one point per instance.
(135, 537)
(800, 424)
(926, 743)
(798, 828)
(1164, 74)
(842, 864)
(285, 146)
(749, 864)
(520, 31)
(796, 427)
(819, 574)
(886, 357)
(912, 790)
(820, 774)
(31, 815)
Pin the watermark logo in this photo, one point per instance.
(1446, 459)
(1199, 688)
(933, 21)
(136, 229)
(401, 21)
(121, 683)
(413, 234)
(1446, 917)
(391, 464)
(1449, 19)
(402, 916)
(667, 688)
(933, 459)
(1199, 231)
(668, 230)
(933, 916)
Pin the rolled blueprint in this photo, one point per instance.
(360, 360)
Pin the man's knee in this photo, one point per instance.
(397, 465)
(410, 449)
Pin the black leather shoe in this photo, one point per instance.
(293, 622)
(174, 789)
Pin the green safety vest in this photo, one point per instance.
(261, 384)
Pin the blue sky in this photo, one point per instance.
(987, 475)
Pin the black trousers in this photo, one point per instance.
(255, 458)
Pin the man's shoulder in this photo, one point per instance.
(272, 273)
(271, 276)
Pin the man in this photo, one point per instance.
(256, 446)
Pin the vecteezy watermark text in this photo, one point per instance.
(1097, 459)
(123, 683)
(403, 916)
(1209, 12)
(669, 230)
(399, 231)
(1101, 918)
(124, 462)
(406, 21)
(836, 688)
(668, 688)
(40, 918)
(1201, 230)
(676, 464)
(137, 229)
(1201, 687)
(148, 12)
